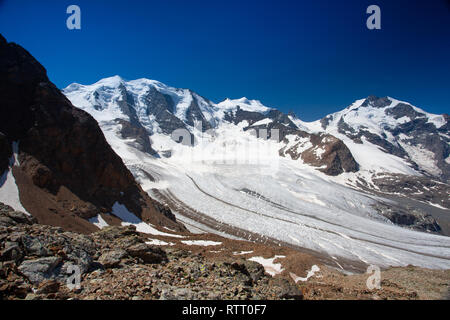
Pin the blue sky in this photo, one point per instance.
(311, 57)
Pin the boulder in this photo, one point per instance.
(38, 270)
(113, 258)
(149, 254)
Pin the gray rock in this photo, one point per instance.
(147, 253)
(112, 258)
(12, 251)
(285, 290)
(7, 221)
(21, 217)
(38, 270)
(32, 296)
(48, 286)
(172, 293)
(34, 247)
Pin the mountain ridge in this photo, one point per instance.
(189, 108)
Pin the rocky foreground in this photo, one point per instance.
(117, 263)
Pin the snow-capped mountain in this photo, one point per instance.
(375, 127)
(384, 135)
(320, 185)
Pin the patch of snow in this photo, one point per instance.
(128, 218)
(156, 242)
(201, 243)
(9, 192)
(98, 221)
(311, 273)
(423, 157)
(262, 122)
(244, 103)
(242, 252)
(319, 152)
(269, 266)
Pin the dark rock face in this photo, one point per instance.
(334, 157)
(240, 115)
(424, 134)
(194, 115)
(137, 132)
(62, 150)
(264, 131)
(408, 217)
(325, 121)
(5, 153)
(356, 136)
(126, 104)
(282, 118)
(376, 102)
(402, 110)
(415, 187)
(161, 107)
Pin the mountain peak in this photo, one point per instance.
(113, 81)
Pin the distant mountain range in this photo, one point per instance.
(365, 185)
(383, 135)
(380, 160)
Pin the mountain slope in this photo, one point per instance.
(415, 140)
(63, 170)
(229, 177)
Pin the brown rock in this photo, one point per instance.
(63, 153)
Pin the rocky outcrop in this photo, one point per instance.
(415, 187)
(138, 133)
(116, 263)
(33, 256)
(240, 115)
(408, 217)
(194, 115)
(325, 151)
(161, 107)
(5, 153)
(68, 172)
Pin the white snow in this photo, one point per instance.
(242, 252)
(262, 122)
(98, 221)
(243, 103)
(156, 242)
(319, 152)
(9, 192)
(311, 273)
(128, 218)
(269, 266)
(201, 243)
(423, 157)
